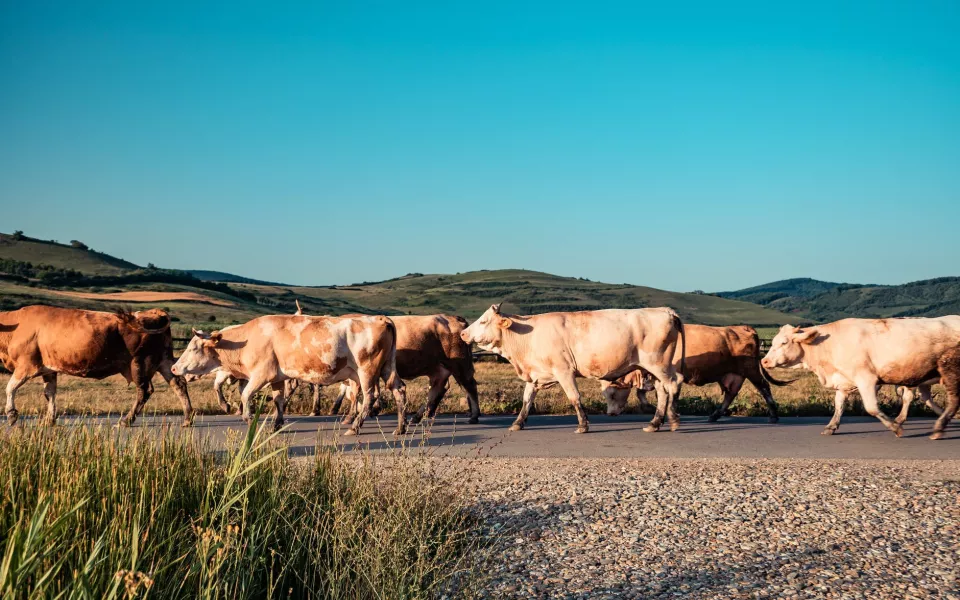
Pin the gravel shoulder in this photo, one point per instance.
(718, 528)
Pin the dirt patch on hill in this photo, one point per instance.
(148, 297)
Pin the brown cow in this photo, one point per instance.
(426, 346)
(859, 354)
(43, 341)
(724, 355)
(322, 350)
(556, 348)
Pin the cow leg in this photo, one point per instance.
(465, 379)
(438, 387)
(241, 385)
(179, 386)
(569, 385)
(315, 392)
(529, 393)
(949, 367)
(50, 393)
(660, 411)
(928, 400)
(730, 385)
(367, 390)
(645, 405)
(377, 405)
(341, 394)
(143, 394)
(868, 392)
(279, 396)
(763, 386)
(667, 384)
(906, 399)
(252, 387)
(12, 386)
(839, 400)
(399, 390)
(218, 384)
(351, 391)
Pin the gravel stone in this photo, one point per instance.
(719, 528)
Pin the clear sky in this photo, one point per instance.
(681, 145)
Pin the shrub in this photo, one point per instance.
(96, 513)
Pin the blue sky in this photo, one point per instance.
(678, 145)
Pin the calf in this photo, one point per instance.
(862, 353)
(322, 350)
(44, 341)
(426, 346)
(557, 348)
(724, 355)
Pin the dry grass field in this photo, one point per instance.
(500, 393)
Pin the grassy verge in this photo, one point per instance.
(94, 513)
(501, 392)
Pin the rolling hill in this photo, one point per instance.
(927, 298)
(226, 277)
(105, 282)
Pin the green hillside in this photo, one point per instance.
(527, 292)
(802, 287)
(71, 276)
(928, 298)
(62, 256)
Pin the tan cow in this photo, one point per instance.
(321, 350)
(862, 353)
(44, 341)
(724, 355)
(426, 346)
(556, 348)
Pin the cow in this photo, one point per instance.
(45, 341)
(426, 346)
(859, 354)
(273, 349)
(557, 348)
(724, 355)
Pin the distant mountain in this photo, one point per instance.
(802, 287)
(227, 277)
(799, 297)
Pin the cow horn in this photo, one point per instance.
(299, 310)
(496, 307)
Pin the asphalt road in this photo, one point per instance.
(612, 437)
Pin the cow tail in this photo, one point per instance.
(389, 371)
(683, 345)
(771, 379)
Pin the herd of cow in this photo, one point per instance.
(646, 349)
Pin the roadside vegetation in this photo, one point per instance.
(94, 513)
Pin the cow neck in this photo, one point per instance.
(813, 359)
(230, 357)
(511, 345)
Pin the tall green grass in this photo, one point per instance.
(95, 513)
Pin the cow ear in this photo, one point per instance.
(215, 337)
(504, 323)
(804, 336)
(198, 333)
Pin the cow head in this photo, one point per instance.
(201, 356)
(487, 331)
(786, 349)
(616, 397)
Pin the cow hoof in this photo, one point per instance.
(713, 418)
(651, 428)
(898, 431)
(350, 431)
(315, 413)
(583, 429)
(277, 425)
(474, 420)
(12, 417)
(415, 419)
(399, 431)
(774, 419)
(516, 427)
(936, 435)
(674, 426)
(123, 423)
(827, 431)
